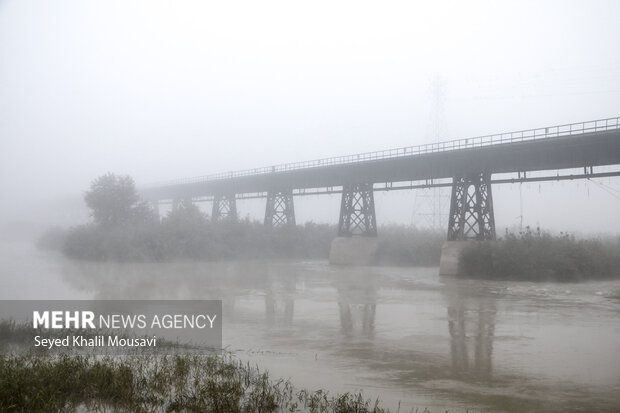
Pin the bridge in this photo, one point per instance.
(470, 163)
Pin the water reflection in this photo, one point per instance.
(477, 319)
(279, 289)
(405, 329)
(357, 302)
(355, 292)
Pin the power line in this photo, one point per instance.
(605, 189)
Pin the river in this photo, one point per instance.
(406, 335)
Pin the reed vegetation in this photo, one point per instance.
(534, 255)
(178, 383)
(51, 382)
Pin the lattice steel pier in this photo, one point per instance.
(280, 210)
(471, 208)
(224, 207)
(357, 211)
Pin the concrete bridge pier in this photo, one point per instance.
(224, 207)
(280, 210)
(471, 218)
(357, 242)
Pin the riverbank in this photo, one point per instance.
(204, 240)
(157, 383)
(540, 256)
(44, 381)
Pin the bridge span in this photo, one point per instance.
(470, 163)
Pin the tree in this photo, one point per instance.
(114, 201)
(186, 215)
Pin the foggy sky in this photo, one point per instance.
(162, 90)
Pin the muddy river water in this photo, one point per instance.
(406, 335)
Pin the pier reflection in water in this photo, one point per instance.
(279, 289)
(357, 303)
(471, 324)
(401, 334)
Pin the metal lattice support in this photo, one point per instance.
(155, 206)
(280, 210)
(471, 208)
(224, 207)
(179, 202)
(357, 211)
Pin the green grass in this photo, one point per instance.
(179, 383)
(47, 382)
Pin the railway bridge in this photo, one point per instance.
(469, 163)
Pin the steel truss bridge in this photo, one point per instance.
(469, 163)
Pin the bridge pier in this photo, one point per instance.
(280, 210)
(471, 218)
(357, 242)
(155, 206)
(224, 207)
(181, 202)
(471, 208)
(357, 211)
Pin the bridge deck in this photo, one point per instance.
(586, 144)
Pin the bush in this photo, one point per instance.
(400, 245)
(539, 256)
(195, 237)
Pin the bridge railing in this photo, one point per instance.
(458, 144)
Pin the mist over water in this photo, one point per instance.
(159, 91)
(402, 334)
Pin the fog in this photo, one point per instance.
(165, 90)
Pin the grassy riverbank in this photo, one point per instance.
(241, 240)
(157, 383)
(148, 383)
(539, 256)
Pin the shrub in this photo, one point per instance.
(539, 256)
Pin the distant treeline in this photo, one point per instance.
(539, 256)
(125, 228)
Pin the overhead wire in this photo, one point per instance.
(604, 188)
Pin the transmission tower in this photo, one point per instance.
(430, 209)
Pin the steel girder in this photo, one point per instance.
(280, 210)
(357, 211)
(471, 208)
